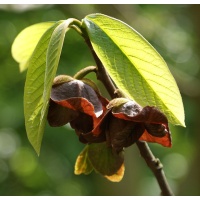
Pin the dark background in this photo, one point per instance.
(174, 31)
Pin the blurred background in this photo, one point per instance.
(174, 31)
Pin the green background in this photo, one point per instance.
(173, 30)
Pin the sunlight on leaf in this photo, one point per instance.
(39, 81)
(134, 65)
(26, 41)
(33, 90)
(53, 57)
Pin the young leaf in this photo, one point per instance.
(26, 41)
(134, 65)
(117, 177)
(83, 165)
(39, 80)
(105, 161)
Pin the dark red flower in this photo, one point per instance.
(107, 127)
(130, 122)
(79, 103)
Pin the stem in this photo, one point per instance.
(156, 167)
(77, 29)
(83, 72)
(101, 73)
(76, 25)
(153, 163)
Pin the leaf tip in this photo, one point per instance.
(179, 121)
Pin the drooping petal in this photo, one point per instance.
(76, 89)
(154, 122)
(122, 133)
(82, 105)
(133, 112)
(82, 124)
(128, 110)
(59, 115)
(98, 133)
(78, 104)
(165, 140)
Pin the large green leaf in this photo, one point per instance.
(42, 68)
(33, 91)
(134, 65)
(26, 41)
(53, 57)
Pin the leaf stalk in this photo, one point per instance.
(83, 72)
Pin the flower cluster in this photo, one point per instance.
(107, 127)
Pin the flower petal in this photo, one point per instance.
(148, 114)
(76, 89)
(154, 122)
(59, 115)
(129, 109)
(165, 140)
(122, 133)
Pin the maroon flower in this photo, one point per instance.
(107, 127)
(130, 122)
(79, 103)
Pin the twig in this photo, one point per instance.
(153, 163)
(156, 167)
(83, 72)
(102, 75)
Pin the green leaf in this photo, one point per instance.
(53, 57)
(33, 91)
(83, 164)
(104, 160)
(26, 41)
(42, 67)
(134, 65)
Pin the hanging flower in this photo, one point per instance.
(106, 127)
(79, 103)
(130, 122)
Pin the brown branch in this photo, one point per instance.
(102, 75)
(156, 167)
(153, 163)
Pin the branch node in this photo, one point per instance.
(158, 164)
